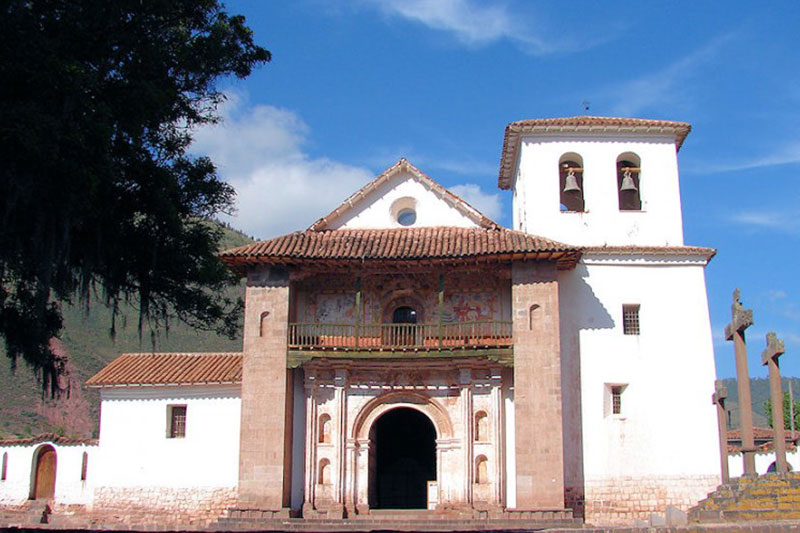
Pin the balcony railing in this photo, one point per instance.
(400, 337)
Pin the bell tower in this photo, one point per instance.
(595, 181)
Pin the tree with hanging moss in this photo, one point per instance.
(99, 197)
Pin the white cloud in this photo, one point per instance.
(488, 204)
(776, 294)
(772, 220)
(785, 155)
(478, 24)
(467, 21)
(280, 188)
(666, 87)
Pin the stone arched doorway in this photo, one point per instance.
(402, 459)
(45, 461)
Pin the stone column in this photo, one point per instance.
(718, 399)
(361, 474)
(498, 436)
(265, 446)
(468, 462)
(312, 426)
(769, 357)
(741, 319)
(340, 399)
(537, 386)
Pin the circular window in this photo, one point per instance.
(406, 217)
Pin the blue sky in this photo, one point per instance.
(355, 85)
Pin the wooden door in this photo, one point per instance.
(45, 482)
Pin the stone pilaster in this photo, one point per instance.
(537, 387)
(263, 452)
(498, 436)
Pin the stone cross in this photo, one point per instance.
(718, 399)
(769, 357)
(741, 319)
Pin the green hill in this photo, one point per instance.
(759, 393)
(87, 342)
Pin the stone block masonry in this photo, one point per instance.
(263, 460)
(619, 501)
(147, 508)
(537, 385)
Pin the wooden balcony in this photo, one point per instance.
(401, 337)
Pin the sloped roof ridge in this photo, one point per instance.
(579, 120)
(170, 368)
(437, 243)
(515, 130)
(403, 164)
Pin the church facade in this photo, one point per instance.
(407, 352)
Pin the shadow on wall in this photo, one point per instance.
(580, 310)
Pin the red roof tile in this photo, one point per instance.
(170, 369)
(48, 437)
(584, 124)
(431, 243)
(762, 438)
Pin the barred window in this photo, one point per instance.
(630, 319)
(177, 421)
(616, 399)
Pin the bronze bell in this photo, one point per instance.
(627, 182)
(571, 182)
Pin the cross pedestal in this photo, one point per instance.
(769, 357)
(718, 399)
(741, 319)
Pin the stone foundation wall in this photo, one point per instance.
(618, 501)
(162, 505)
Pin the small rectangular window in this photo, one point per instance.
(84, 465)
(176, 421)
(616, 399)
(4, 471)
(630, 319)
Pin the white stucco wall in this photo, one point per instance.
(375, 210)
(134, 448)
(536, 194)
(668, 425)
(763, 460)
(69, 488)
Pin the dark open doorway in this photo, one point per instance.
(404, 461)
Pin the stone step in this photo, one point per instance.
(384, 525)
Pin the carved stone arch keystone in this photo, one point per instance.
(393, 400)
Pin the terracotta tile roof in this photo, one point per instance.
(404, 166)
(386, 245)
(170, 369)
(48, 437)
(582, 124)
(708, 253)
(762, 438)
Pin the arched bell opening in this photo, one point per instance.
(628, 171)
(43, 476)
(402, 459)
(570, 184)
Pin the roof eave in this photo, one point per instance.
(515, 130)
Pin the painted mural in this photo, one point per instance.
(471, 307)
(462, 304)
(330, 308)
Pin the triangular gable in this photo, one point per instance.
(365, 209)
